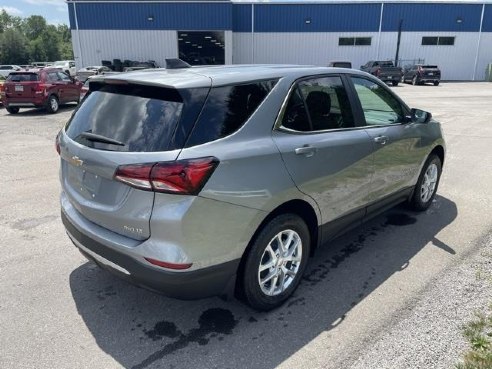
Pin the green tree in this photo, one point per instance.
(14, 47)
(37, 51)
(8, 21)
(32, 39)
(51, 41)
(34, 26)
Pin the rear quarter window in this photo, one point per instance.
(227, 109)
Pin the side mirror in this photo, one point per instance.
(420, 116)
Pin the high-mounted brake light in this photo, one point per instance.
(184, 177)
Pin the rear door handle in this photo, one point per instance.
(381, 140)
(306, 150)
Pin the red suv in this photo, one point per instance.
(45, 88)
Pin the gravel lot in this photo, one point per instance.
(391, 294)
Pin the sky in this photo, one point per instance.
(54, 11)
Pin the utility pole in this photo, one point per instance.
(398, 42)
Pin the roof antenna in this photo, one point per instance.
(176, 64)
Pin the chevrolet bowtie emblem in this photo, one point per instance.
(76, 161)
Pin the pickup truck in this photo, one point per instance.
(384, 70)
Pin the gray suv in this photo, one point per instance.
(201, 181)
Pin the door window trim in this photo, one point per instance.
(348, 88)
(358, 105)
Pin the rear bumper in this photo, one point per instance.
(211, 281)
(389, 78)
(24, 103)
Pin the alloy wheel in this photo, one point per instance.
(280, 262)
(429, 183)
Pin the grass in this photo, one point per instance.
(478, 333)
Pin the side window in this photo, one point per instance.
(378, 105)
(63, 77)
(71, 65)
(327, 105)
(227, 109)
(295, 115)
(53, 77)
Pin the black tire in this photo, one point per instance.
(394, 83)
(436, 83)
(250, 283)
(415, 81)
(12, 109)
(52, 105)
(416, 202)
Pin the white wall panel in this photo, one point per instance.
(484, 55)
(456, 62)
(317, 48)
(100, 45)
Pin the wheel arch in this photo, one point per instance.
(439, 151)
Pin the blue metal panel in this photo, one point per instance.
(487, 19)
(71, 16)
(323, 17)
(241, 17)
(165, 16)
(432, 17)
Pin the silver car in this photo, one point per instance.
(202, 181)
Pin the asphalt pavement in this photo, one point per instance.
(393, 293)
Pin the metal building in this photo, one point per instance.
(456, 35)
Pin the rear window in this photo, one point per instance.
(141, 118)
(429, 66)
(23, 77)
(227, 109)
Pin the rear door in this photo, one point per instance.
(398, 150)
(71, 91)
(149, 123)
(327, 155)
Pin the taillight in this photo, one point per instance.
(378, 72)
(184, 177)
(40, 88)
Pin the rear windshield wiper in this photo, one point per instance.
(98, 138)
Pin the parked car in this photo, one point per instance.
(67, 66)
(384, 70)
(198, 181)
(39, 65)
(84, 73)
(340, 64)
(2, 82)
(419, 74)
(40, 88)
(85, 88)
(5, 70)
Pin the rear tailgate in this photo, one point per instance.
(21, 85)
(431, 71)
(390, 72)
(147, 122)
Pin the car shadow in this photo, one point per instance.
(141, 329)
